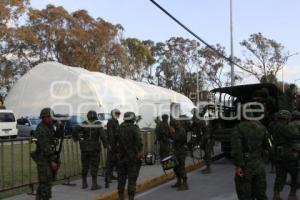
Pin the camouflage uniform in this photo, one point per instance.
(162, 132)
(249, 140)
(296, 119)
(47, 140)
(129, 149)
(112, 132)
(90, 134)
(180, 150)
(205, 138)
(286, 160)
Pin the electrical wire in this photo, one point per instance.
(195, 35)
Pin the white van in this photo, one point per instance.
(8, 124)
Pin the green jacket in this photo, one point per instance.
(180, 141)
(201, 130)
(249, 141)
(129, 142)
(284, 136)
(113, 129)
(162, 132)
(47, 141)
(90, 135)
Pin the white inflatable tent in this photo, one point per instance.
(75, 91)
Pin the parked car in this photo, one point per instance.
(8, 124)
(27, 125)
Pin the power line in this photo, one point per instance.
(195, 35)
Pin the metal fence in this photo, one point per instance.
(18, 170)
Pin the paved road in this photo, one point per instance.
(217, 186)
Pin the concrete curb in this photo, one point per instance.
(151, 183)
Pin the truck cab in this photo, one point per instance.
(227, 101)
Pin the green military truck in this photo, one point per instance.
(226, 103)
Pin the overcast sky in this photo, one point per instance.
(276, 19)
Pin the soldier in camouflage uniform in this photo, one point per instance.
(162, 132)
(45, 153)
(129, 155)
(285, 157)
(296, 119)
(180, 150)
(90, 134)
(112, 133)
(249, 141)
(204, 136)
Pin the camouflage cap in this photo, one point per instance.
(295, 114)
(46, 112)
(115, 112)
(129, 116)
(283, 114)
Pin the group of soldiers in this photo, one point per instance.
(124, 149)
(171, 135)
(123, 143)
(252, 142)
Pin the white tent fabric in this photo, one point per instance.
(75, 91)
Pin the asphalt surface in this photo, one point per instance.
(216, 186)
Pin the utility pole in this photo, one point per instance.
(231, 45)
(198, 97)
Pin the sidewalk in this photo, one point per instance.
(150, 176)
(62, 192)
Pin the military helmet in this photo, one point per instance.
(92, 115)
(46, 112)
(129, 116)
(283, 114)
(295, 114)
(115, 112)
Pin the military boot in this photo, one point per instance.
(183, 186)
(177, 184)
(207, 170)
(95, 185)
(276, 196)
(84, 182)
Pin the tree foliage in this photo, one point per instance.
(266, 56)
(80, 40)
(10, 11)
